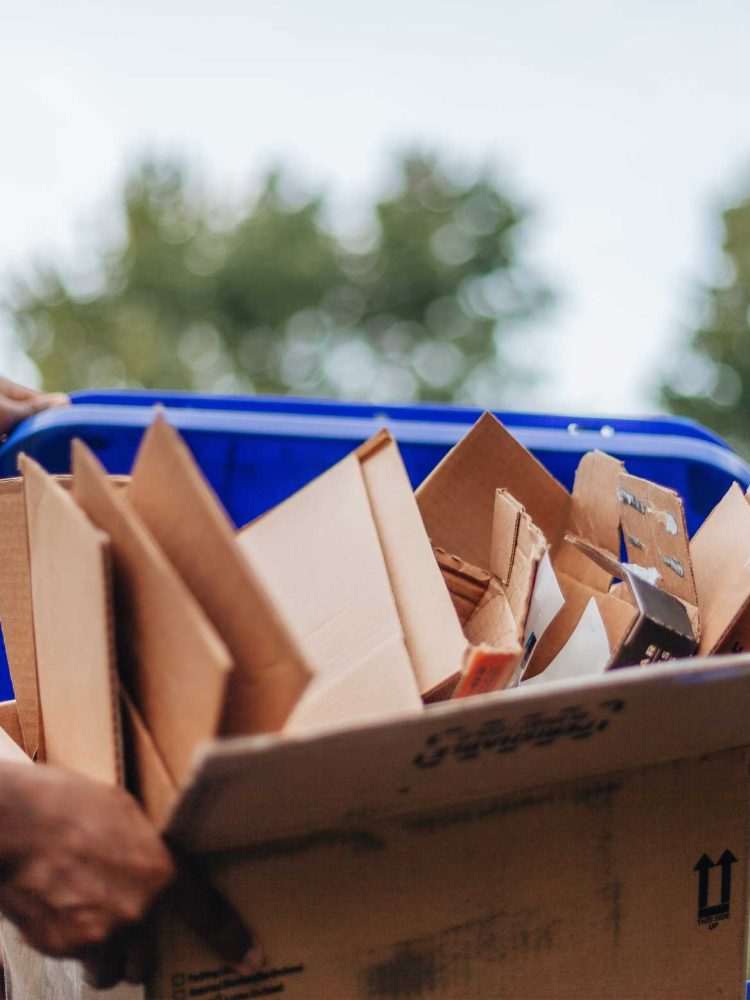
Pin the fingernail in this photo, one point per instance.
(254, 960)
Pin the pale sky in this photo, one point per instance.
(624, 124)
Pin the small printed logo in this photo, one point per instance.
(712, 884)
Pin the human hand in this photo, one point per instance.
(81, 869)
(79, 862)
(131, 955)
(17, 402)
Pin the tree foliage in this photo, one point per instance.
(710, 381)
(414, 303)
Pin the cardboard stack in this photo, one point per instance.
(291, 700)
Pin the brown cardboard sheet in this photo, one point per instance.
(653, 526)
(179, 508)
(320, 558)
(720, 554)
(457, 499)
(171, 660)
(74, 631)
(595, 511)
(16, 614)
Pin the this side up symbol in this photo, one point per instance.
(718, 911)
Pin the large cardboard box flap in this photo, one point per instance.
(178, 507)
(256, 789)
(320, 558)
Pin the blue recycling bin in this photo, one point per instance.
(257, 451)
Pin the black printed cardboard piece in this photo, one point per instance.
(661, 628)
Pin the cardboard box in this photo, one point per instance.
(556, 842)
(575, 838)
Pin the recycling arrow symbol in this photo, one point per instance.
(709, 913)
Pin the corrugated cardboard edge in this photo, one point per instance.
(431, 629)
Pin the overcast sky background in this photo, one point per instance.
(625, 125)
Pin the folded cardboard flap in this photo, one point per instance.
(74, 631)
(594, 515)
(516, 549)
(457, 499)
(171, 660)
(253, 790)
(175, 503)
(320, 559)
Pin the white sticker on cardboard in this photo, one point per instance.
(585, 654)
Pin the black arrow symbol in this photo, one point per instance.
(726, 861)
(703, 866)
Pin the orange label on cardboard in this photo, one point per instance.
(487, 670)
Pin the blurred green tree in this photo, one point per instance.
(710, 380)
(414, 303)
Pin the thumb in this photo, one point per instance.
(13, 411)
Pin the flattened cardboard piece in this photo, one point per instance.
(148, 777)
(585, 654)
(720, 554)
(320, 559)
(15, 611)
(11, 723)
(432, 635)
(74, 631)
(596, 513)
(653, 526)
(661, 629)
(457, 499)
(180, 510)
(252, 790)
(172, 662)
